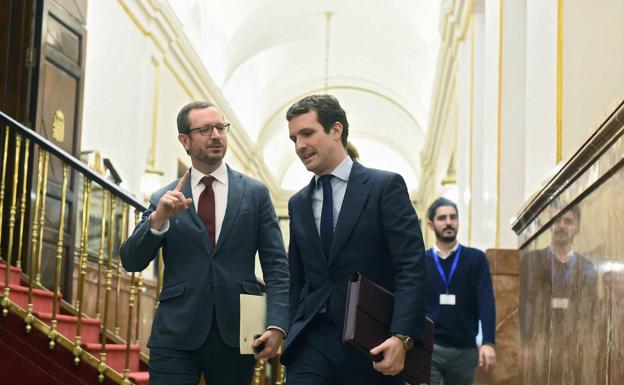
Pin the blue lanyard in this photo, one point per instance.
(446, 281)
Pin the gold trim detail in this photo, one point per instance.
(53, 334)
(500, 94)
(471, 149)
(28, 319)
(150, 35)
(23, 203)
(2, 183)
(7, 282)
(58, 126)
(44, 195)
(82, 267)
(12, 213)
(559, 154)
(100, 262)
(151, 159)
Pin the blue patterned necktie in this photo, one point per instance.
(327, 214)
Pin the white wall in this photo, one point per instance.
(541, 93)
(118, 88)
(513, 109)
(593, 67)
(139, 72)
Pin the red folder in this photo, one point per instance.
(367, 325)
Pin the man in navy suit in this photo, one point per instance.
(349, 218)
(210, 223)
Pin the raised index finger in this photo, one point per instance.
(182, 181)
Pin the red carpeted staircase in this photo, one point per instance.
(26, 358)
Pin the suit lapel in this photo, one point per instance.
(352, 205)
(236, 190)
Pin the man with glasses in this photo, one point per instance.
(210, 223)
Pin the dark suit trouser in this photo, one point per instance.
(318, 358)
(221, 364)
(454, 366)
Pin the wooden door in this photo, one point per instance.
(60, 83)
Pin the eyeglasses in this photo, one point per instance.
(222, 128)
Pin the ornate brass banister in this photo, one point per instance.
(27, 152)
(44, 188)
(100, 257)
(82, 266)
(23, 203)
(33, 242)
(72, 161)
(53, 334)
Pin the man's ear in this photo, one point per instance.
(184, 139)
(430, 224)
(336, 130)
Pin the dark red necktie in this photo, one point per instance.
(206, 208)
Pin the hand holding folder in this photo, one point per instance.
(367, 324)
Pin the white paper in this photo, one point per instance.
(252, 320)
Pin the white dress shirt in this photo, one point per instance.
(339, 187)
(220, 188)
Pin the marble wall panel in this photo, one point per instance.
(572, 291)
(504, 269)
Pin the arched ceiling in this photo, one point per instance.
(377, 57)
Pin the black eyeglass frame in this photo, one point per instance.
(207, 129)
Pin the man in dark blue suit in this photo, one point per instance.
(349, 218)
(210, 224)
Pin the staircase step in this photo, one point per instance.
(140, 378)
(15, 275)
(66, 325)
(42, 299)
(116, 355)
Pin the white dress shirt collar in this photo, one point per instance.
(220, 175)
(437, 251)
(342, 171)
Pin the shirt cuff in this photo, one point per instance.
(162, 230)
(278, 328)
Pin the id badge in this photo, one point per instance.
(560, 303)
(447, 299)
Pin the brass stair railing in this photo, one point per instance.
(101, 202)
(104, 291)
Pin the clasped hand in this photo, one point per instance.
(272, 340)
(393, 360)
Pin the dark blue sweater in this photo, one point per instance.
(457, 326)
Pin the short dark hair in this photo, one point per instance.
(574, 210)
(328, 110)
(183, 122)
(440, 202)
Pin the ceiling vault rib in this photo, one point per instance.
(263, 135)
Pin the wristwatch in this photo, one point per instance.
(408, 342)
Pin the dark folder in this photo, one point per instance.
(367, 324)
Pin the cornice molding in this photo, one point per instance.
(157, 21)
(454, 21)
